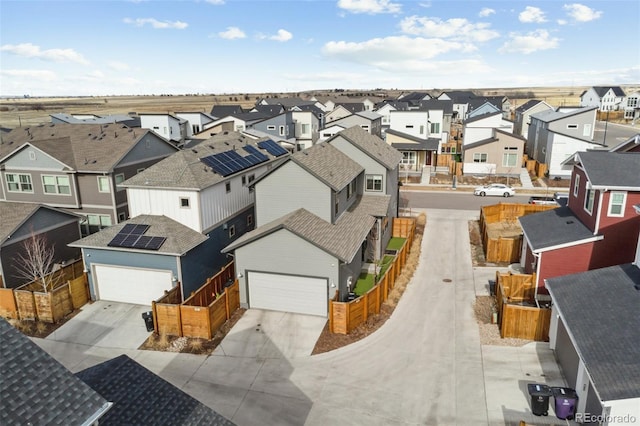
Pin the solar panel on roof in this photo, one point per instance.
(139, 229)
(117, 240)
(255, 153)
(155, 243)
(129, 240)
(272, 148)
(127, 228)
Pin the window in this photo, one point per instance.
(195, 128)
(509, 160)
(103, 184)
(98, 221)
(572, 126)
(56, 185)
(232, 231)
(32, 155)
(122, 216)
(249, 220)
(119, 179)
(479, 157)
(617, 201)
(435, 128)
(18, 182)
(250, 179)
(589, 196)
(576, 186)
(156, 128)
(184, 203)
(227, 187)
(304, 128)
(281, 130)
(271, 127)
(409, 157)
(244, 180)
(336, 206)
(422, 130)
(409, 126)
(351, 189)
(373, 183)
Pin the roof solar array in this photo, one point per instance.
(230, 162)
(131, 236)
(272, 148)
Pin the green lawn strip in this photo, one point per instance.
(396, 243)
(387, 260)
(364, 283)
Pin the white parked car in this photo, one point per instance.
(497, 189)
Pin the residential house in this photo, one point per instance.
(20, 222)
(329, 132)
(329, 103)
(632, 106)
(307, 123)
(196, 121)
(320, 216)
(413, 99)
(460, 102)
(270, 110)
(594, 333)
(287, 103)
(289, 144)
(598, 227)
(630, 145)
(604, 98)
(38, 390)
(207, 188)
(523, 115)
(555, 136)
(343, 110)
(136, 261)
(482, 127)
(432, 119)
(138, 396)
(478, 107)
(63, 118)
(501, 154)
(385, 109)
(220, 111)
(417, 153)
(281, 125)
(77, 167)
(367, 120)
(167, 126)
(232, 123)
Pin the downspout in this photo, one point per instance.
(113, 196)
(538, 256)
(180, 280)
(599, 212)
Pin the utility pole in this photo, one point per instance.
(604, 140)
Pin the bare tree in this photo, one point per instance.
(36, 262)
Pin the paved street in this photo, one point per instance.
(425, 366)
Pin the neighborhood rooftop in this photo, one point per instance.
(328, 164)
(382, 152)
(554, 227)
(612, 170)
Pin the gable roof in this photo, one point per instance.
(372, 145)
(131, 121)
(271, 110)
(370, 115)
(82, 147)
(342, 239)
(220, 111)
(459, 96)
(528, 105)
(414, 96)
(628, 145)
(352, 107)
(611, 170)
(495, 136)
(328, 164)
(602, 90)
(418, 144)
(185, 170)
(36, 389)
(141, 397)
(15, 214)
(607, 337)
(444, 105)
(179, 238)
(482, 117)
(555, 227)
(286, 102)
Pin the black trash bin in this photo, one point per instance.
(539, 398)
(148, 320)
(566, 400)
(492, 287)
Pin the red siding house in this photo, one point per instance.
(597, 228)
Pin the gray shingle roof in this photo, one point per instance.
(84, 147)
(611, 169)
(553, 227)
(528, 105)
(184, 169)
(602, 90)
(600, 310)
(179, 238)
(219, 111)
(372, 145)
(142, 398)
(35, 389)
(482, 117)
(15, 214)
(328, 164)
(342, 239)
(553, 115)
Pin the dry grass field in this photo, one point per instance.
(15, 112)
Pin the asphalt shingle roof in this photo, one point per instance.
(142, 398)
(612, 169)
(600, 310)
(528, 105)
(553, 115)
(602, 90)
(377, 149)
(179, 238)
(328, 164)
(14, 214)
(35, 389)
(553, 227)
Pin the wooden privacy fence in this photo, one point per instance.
(346, 316)
(202, 314)
(518, 315)
(27, 303)
(501, 232)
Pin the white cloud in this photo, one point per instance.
(425, 4)
(529, 43)
(282, 35)
(325, 76)
(562, 22)
(455, 28)
(94, 75)
(118, 66)
(29, 50)
(369, 6)
(41, 75)
(532, 15)
(215, 2)
(232, 33)
(581, 13)
(159, 25)
(486, 11)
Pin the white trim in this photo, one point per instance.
(622, 207)
(44, 191)
(109, 184)
(569, 244)
(596, 228)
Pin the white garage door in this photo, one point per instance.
(302, 295)
(130, 285)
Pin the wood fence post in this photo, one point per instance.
(330, 316)
(365, 310)
(155, 317)
(226, 302)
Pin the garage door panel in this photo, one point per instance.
(287, 293)
(130, 285)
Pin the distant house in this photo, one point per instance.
(19, 222)
(343, 110)
(594, 333)
(219, 111)
(460, 99)
(385, 109)
(632, 106)
(501, 154)
(128, 120)
(523, 115)
(416, 152)
(329, 132)
(167, 126)
(598, 228)
(478, 107)
(196, 121)
(413, 99)
(482, 127)
(431, 119)
(367, 120)
(630, 145)
(281, 125)
(77, 167)
(604, 98)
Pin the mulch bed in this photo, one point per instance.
(40, 329)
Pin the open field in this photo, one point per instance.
(15, 112)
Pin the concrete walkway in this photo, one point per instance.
(525, 179)
(425, 366)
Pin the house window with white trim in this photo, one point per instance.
(509, 159)
(435, 128)
(576, 186)
(103, 184)
(119, 179)
(19, 182)
(408, 158)
(281, 130)
(480, 157)
(56, 185)
(373, 183)
(271, 127)
(589, 197)
(250, 221)
(232, 231)
(617, 201)
(184, 203)
(227, 187)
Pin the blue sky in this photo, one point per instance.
(51, 48)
